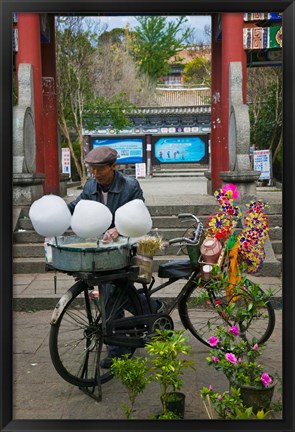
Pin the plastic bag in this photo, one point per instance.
(133, 219)
(90, 219)
(50, 216)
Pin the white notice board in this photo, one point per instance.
(140, 170)
(262, 162)
(66, 161)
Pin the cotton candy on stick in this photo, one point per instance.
(133, 219)
(90, 219)
(50, 216)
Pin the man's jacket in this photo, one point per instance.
(123, 189)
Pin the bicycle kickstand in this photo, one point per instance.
(90, 391)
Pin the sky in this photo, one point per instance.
(196, 21)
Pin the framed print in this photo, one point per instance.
(49, 397)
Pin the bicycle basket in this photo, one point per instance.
(194, 254)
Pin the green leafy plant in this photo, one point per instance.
(167, 365)
(228, 405)
(132, 372)
(241, 309)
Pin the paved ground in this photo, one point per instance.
(39, 392)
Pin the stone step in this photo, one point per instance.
(277, 246)
(203, 208)
(28, 265)
(37, 265)
(179, 174)
(279, 257)
(166, 221)
(32, 264)
(29, 237)
(275, 233)
(28, 250)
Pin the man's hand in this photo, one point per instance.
(110, 234)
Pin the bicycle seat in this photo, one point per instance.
(175, 269)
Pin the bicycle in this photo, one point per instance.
(84, 321)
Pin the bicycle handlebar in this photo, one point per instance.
(198, 231)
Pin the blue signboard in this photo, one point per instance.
(130, 150)
(179, 149)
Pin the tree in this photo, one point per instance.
(77, 102)
(198, 72)
(264, 92)
(155, 41)
(115, 69)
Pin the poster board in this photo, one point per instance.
(66, 161)
(262, 162)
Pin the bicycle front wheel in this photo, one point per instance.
(76, 335)
(202, 310)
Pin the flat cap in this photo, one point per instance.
(101, 155)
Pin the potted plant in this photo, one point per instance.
(132, 372)
(228, 405)
(237, 359)
(166, 350)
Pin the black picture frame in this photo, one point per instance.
(133, 7)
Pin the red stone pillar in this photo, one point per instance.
(50, 126)
(29, 51)
(216, 125)
(232, 51)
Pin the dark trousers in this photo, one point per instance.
(109, 293)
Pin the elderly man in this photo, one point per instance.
(114, 189)
(108, 185)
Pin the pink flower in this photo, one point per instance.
(231, 358)
(234, 330)
(266, 379)
(215, 359)
(255, 347)
(210, 387)
(219, 397)
(232, 189)
(213, 341)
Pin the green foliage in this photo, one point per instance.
(115, 36)
(155, 41)
(168, 415)
(103, 112)
(198, 72)
(132, 373)
(228, 405)
(241, 309)
(166, 364)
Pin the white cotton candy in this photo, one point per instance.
(90, 219)
(133, 219)
(50, 216)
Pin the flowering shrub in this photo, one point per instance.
(236, 358)
(254, 227)
(228, 405)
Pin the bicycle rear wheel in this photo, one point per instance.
(202, 311)
(76, 335)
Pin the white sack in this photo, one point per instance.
(90, 219)
(50, 216)
(133, 219)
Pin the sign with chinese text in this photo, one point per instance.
(66, 161)
(140, 170)
(262, 163)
